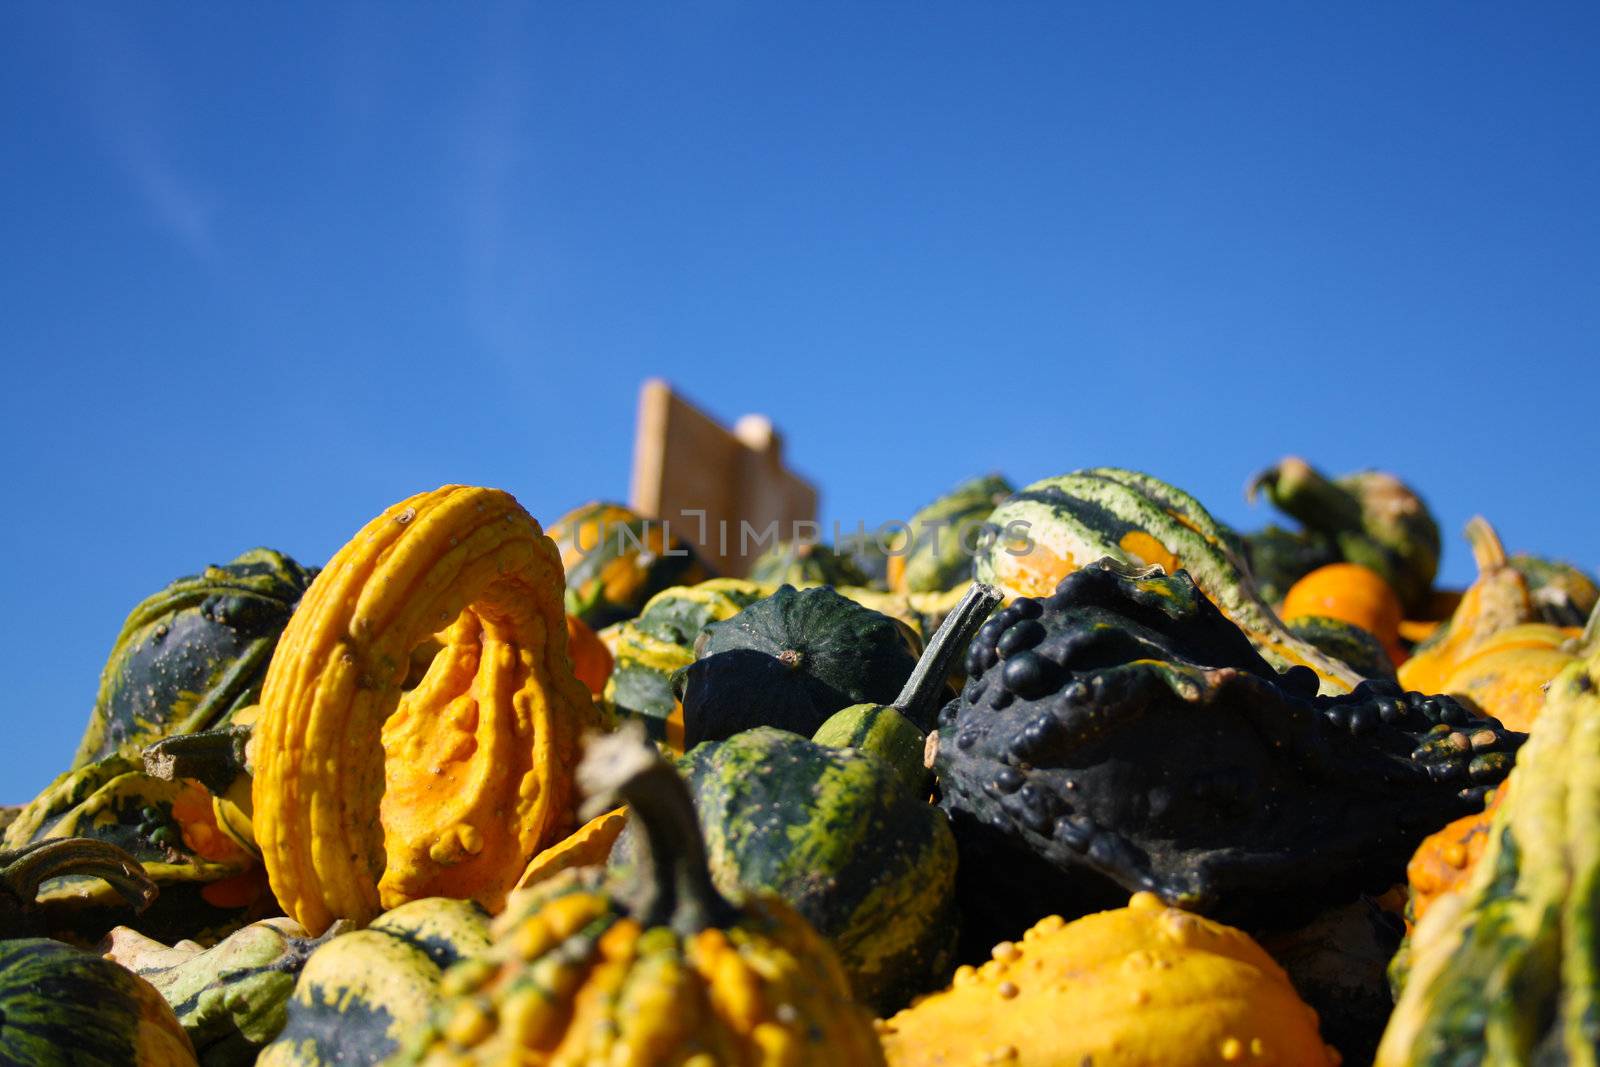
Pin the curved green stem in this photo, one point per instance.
(24, 870)
(673, 886)
(919, 700)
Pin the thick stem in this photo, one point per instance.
(674, 885)
(215, 758)
(1297, 489)
(1487, 551)
(919, 700)
(25, 869)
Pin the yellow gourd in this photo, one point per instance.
(1138, 986)
(367, 795)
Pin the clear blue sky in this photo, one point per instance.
(266, 271)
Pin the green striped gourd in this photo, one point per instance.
(649, 649)
(1504, 972)
(616, 560)
(1053, 527)
(360, 993)
(63, 1007)
(192, 653)
(1347, 642)
(944, 537)
(803, 563)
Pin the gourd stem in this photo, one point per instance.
(1297, 489)
(675, 887)
(25, 869)
(1487, 551)
(215, 758)
(919, 700)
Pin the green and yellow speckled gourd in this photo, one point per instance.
(1053, 527)
(657, 969)
(360, 993)
(840, 828)
(648, 650)
(935, 552)
(1133, 987)
(1347, 642)
(615, 560)
(447, 788)
(63, 1007)
(1562, 594)
(1504, 971)
(192, 653)
(208, 884)
(1370, 517)
(231, 999)
(804, 563)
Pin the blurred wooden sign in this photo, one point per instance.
(721, 490)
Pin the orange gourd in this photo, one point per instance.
(591, 659)
(1351, 593)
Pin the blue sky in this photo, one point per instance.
(268, 270)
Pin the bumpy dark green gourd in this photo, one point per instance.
(1371, 518)
(1345, 641)
(791, 660)
(360, 993)
(1122, 729)
(192, 653)
(944, 536)
(803, 563)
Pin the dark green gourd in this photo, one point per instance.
(192, 653)
(791, 660)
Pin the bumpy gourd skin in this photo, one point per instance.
(192, 652)
(1134, 987)
(1123, 728)
(367, 796)
(655, 969)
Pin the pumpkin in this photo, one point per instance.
(660, 968)
(360, 993)
(936, 551)
(230, 999)
(63, 1007)
(208, 884)
(1055, 526)
(1354, 593)
(791, 660)
(1497, 600)
(650, 649)
(615, 560)
(23, 871)
(1123, 727)
(804, 563)
(446, 789)
(1502, 971)
(1347, 642)
(591, 659)
(191, 653)
(1139, 985)
(1372, 517)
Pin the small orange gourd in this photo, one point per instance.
(1351, 593)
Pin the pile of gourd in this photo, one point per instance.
(1086, 777)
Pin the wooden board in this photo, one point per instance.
(720, 489)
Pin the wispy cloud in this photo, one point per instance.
(123, 94)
